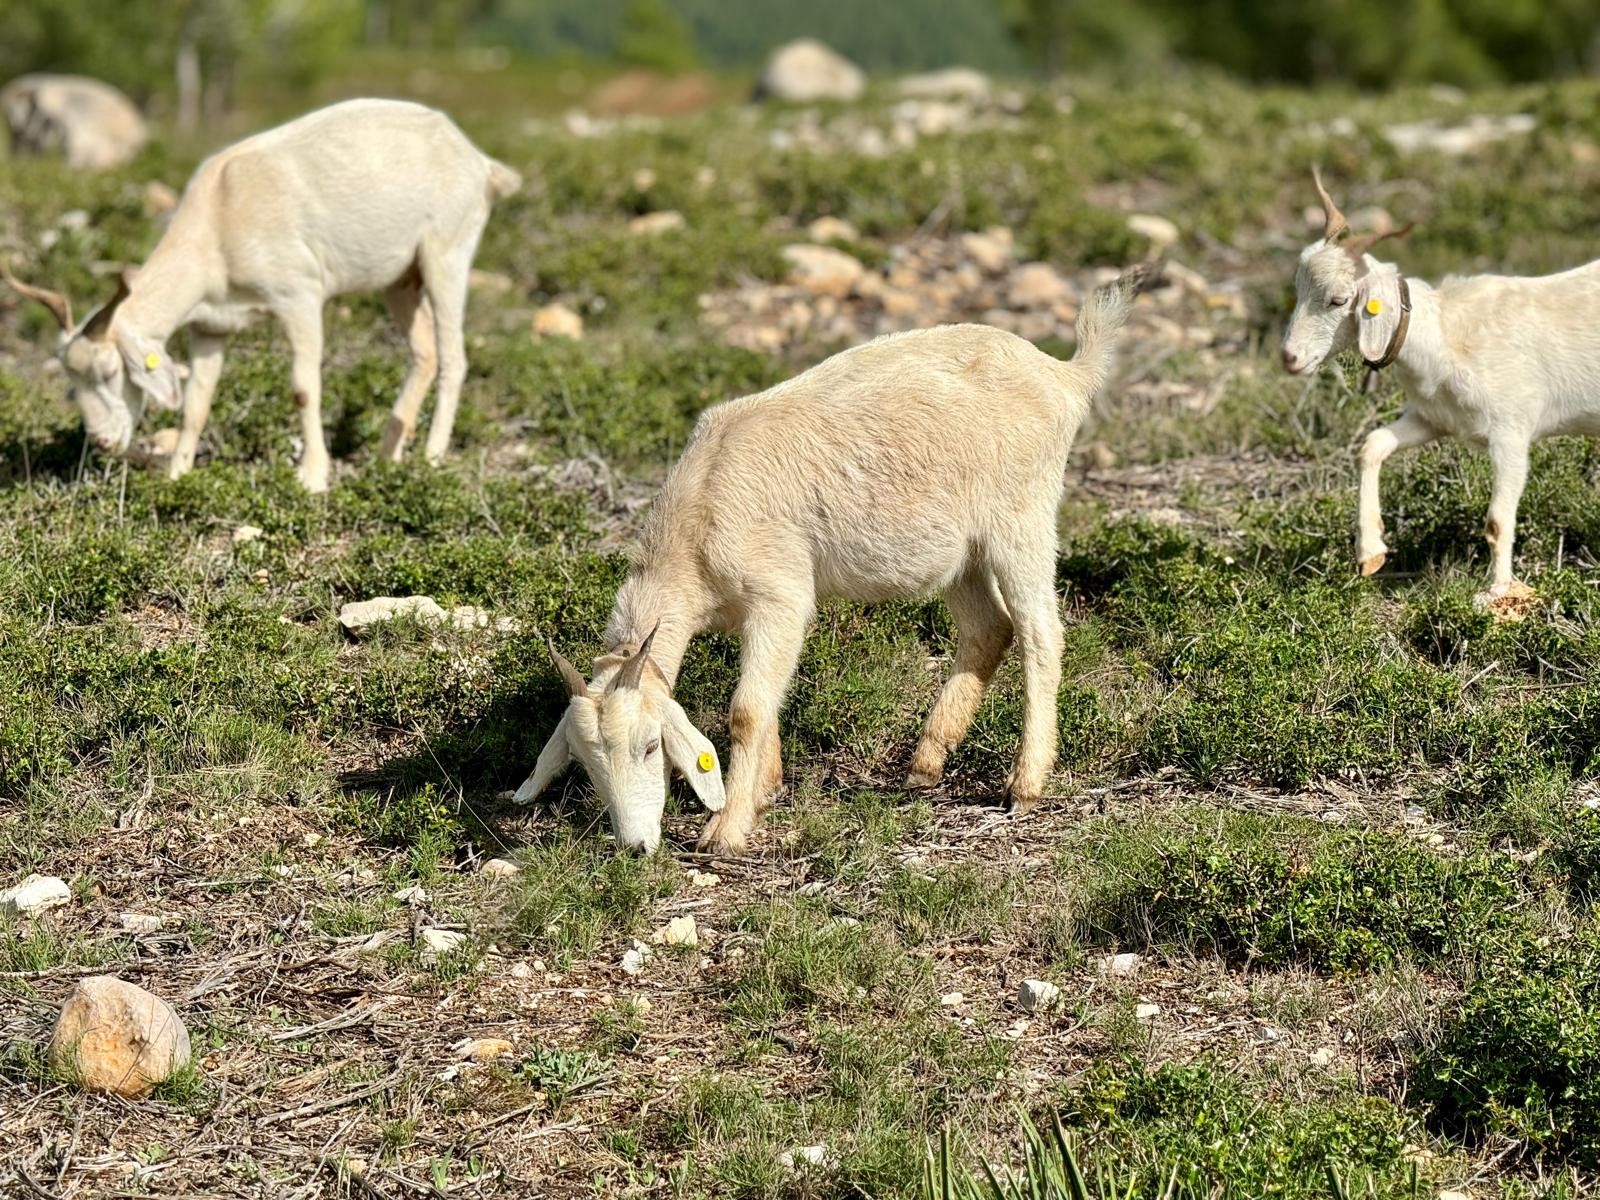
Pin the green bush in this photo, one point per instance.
(1521, 1055)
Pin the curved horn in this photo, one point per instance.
(633, 670)
(59, 306)
(569, 674)
(1334, 222)
(98, 327)
(1359, 245)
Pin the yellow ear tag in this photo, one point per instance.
(152, 361)
(706, 761)
(1374, 306)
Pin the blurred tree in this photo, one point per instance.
(198, 49)
(654, 36)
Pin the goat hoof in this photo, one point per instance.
(1020, 803)
(919, 780)
(1373, 563)
(314, 480)
(724, 837)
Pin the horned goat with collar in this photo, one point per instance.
(920, 462)
(1497, 361)
(364, 195)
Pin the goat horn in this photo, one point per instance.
(59, 306)
(1359, 245)
(633, 670)
(569, 675)
(98, 327)
(1334, 222)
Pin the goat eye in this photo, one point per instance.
(1340, 302)
(652, 748)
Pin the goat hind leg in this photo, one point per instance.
(414, 315)
(444, 276)
(1029, 594)
(983, 631)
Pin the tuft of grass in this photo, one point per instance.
(575, 891)
(1275, 893)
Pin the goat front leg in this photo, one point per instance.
(303, 324)
(772, 639)
(205, 368)
(1509, 457)
(1406, 431)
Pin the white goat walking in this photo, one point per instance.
(1494, 360)
(919, 462)
(358, 196)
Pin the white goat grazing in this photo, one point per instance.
(919, 462)
(92, 124)
(354, 197)
(1498, 361)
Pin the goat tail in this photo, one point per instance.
(503, 181)
(1100, 323)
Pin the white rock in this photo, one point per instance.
(1036, 285)
(34, 895)
(499, 868)
(1323, 1055)
(436, 943)
(159, 200)
(953, 999)
(680, 931)
(247, 533)
(636, 958)
(1037, 995)
(133, 922)
(1460, 139)
(804, 70)
(991, 249)
(491, 283)
(832, 229)
(113, 1036)
(360, 615)
(704, 879)
(467, 617)
(814, 1158)
(952, 83)
(1160, 231)
(1144, 1012)
(520, 970)
(815, 888)
(1454, 1194)
(650, 224)
(1120, 964)
(557, 320)
(481, 1050)
(822, 270)
(415, 895)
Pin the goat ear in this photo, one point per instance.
(153, 372)
(553, 759)
(693, 756)
(1377, 312)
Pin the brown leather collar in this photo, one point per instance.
(1400, 331)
